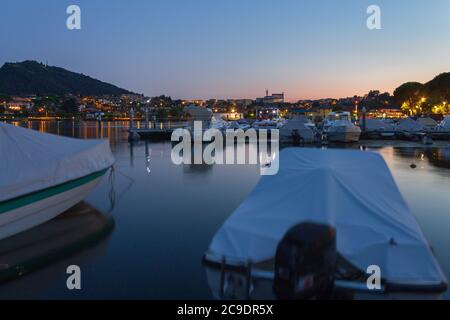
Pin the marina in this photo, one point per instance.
(234, 158)
(337, 127)
(186, 205)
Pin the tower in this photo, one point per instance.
(267, 92)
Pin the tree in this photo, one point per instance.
(161, 113)
(176, 111)
(5, 98)
(70, 106)
(410, 96)
(439, 88)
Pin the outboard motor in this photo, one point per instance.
(296, 137)
(305, 262)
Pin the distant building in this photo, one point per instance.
(18, 104)
(387, 113)
(275, 98)
(320, 110)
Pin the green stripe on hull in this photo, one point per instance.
(27, 199)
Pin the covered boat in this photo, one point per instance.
(428, 123)
(42, 175)
(379, 127)
(444, 126)
(340, 128)
(299, 127)
(409, 125)
(351, 191)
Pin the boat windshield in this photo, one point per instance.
(331, 117)
(343, 116)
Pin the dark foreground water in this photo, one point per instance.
(166, 216)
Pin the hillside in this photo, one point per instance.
(31, 77)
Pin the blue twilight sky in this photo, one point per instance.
(234, 48)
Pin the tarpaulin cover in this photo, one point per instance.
(409, 125)
(352, 191)
(378, 125)
(31, 161)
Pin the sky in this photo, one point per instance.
(200, 49)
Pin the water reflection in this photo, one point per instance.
(72, 236)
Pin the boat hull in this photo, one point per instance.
(45, 205)
(343, 136)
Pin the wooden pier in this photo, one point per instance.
(151, 134)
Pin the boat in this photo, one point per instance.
(235, 125)
(378, 128)
(43, 175)
(339, 128)
(409, 126)
(298, 129)
(267, 124)
(444, 126)
(351, 192)
(429, 124)
(204, 116)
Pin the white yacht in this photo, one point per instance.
(339, 128)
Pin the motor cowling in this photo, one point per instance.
(305, 262)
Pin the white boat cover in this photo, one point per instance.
(378, 125)
(32, 161)
(353, 191)
(299, 123)
(445, 124)
(427, 122)
(343, 125)
(409, 125)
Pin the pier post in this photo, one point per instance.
(131, 118)
(364, 119)
(154, 118)
(146, 118)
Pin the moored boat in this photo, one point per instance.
(429, 124)
(298, 129)
(371, 220)
(43, 175)
(408, 126)
(379, 128)
(444, 126)
(339, 128)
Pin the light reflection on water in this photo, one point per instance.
(166, 215)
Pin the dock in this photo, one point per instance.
(151, 134)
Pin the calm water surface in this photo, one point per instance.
(166, 216)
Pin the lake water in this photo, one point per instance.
(166, 216)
